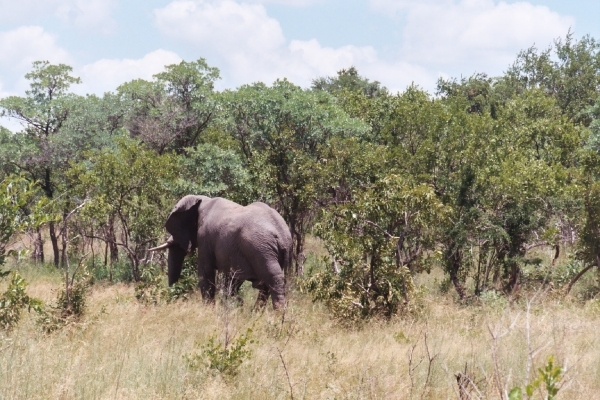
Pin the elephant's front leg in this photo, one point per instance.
(207, 284)
(206, 277)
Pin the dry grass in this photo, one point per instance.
(125, 350)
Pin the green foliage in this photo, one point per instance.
(282, 132)
(116, 271)
(568, 71)
(376, 242)
(14, 300)
(214, 172)
(183, 288)
(70, 304)
(515, 394)
(225, 358)
(72, 301)
(128, 189)
(548, 378)
(152, 288)
(349, 80)
(43, 111)
(171, 112)
(19, 210)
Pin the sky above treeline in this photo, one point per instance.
(396, 42)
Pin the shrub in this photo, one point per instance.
(152, 288)
(14, 300)
(376, 243)
(70, 306)
(547, 380)
(225, 358)
(119, 271)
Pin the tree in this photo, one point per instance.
(282, 133)
(214, 172)
(128, 192)
(172, 111)
(349, 80)
(569, 71)
(19, 210)
(376, 242)
(43, 111)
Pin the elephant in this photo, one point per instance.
(246, 243)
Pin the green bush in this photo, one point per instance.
(357, 293)
(225, 358)
(546, 381)
(74, 305)
(120, 270)
(153, 290)
(376, 243)
(69, 307)
(14, 300)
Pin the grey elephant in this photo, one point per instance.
(245, 243)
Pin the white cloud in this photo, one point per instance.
(222, 26)
(85, 14)
(480, 34)
(106, 75)
(19, 48)
(292, 3)
(250, 46)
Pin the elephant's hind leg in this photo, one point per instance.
(263, 296)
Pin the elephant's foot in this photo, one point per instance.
(279, 305)
(261, 300)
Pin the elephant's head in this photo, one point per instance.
(182, 224)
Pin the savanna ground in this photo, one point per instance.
(123, 349)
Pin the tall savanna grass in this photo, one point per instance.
(122, 349)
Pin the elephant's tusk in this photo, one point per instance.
(161, 247)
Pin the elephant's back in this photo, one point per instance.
(270, 218)
(256, 224)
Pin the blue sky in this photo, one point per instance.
(396, 42)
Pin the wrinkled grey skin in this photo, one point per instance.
(251, 243)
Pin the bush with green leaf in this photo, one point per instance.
(129, 194)
(70, 306)
(153, 290)
(19, 210)
(546, 383)
(221, 358)
(376, 243)
(14, 300)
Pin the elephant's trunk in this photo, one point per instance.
(175, 263)
(161, 247)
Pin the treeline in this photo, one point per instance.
(470, 178)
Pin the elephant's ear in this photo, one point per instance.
(183, 220)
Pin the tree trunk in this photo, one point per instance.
(581, 273)
(111, 238)
(297, 246)
(299, 254)
(454, 264)
(54, 241)
(556, 253)
(514, 277)
(38, 247)
(63, 250)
